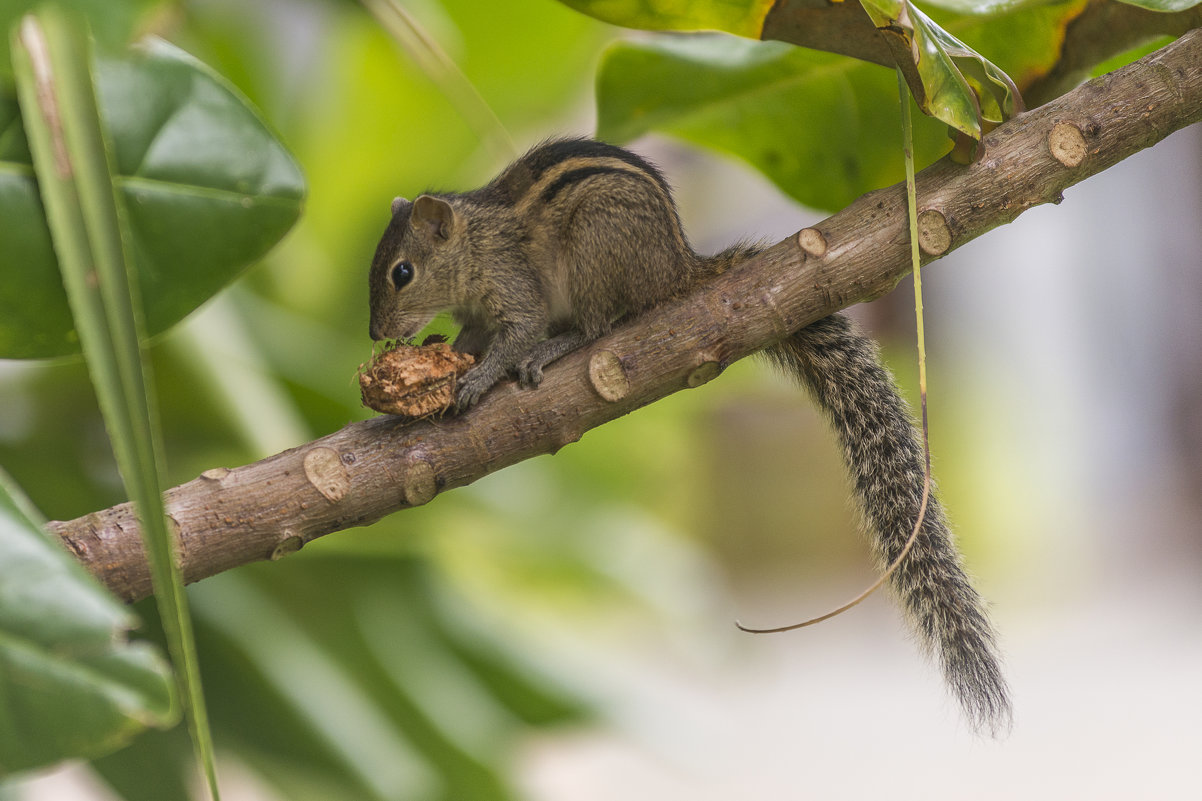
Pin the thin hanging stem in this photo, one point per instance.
(912, 211)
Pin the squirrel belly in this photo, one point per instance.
(576, 235)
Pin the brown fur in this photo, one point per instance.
(576, 235)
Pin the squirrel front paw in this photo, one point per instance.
(472, 386)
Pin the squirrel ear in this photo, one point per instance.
(399, 203)
(433, 216)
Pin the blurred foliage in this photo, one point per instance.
(332, 675)
(811, 121)
(396, 661)
(742, 17)
(114, 23)
(72, 685)
(353, 678)
(949, 81)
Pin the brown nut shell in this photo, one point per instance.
(413, 381)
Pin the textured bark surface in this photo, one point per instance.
(265, 510)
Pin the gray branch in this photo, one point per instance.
(229, 517)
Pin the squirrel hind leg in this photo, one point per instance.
(530, 368)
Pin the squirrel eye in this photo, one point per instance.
(400, 274)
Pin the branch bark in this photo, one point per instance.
(268, 509)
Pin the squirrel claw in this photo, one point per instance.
(469, 391)
(465, 400)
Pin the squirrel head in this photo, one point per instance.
(412, 274)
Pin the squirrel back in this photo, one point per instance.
(561, 229)
(577, 235)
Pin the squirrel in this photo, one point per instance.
(576, 235)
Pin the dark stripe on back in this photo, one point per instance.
(546, 156)
(575, 176)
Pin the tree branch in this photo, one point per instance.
(367, 470)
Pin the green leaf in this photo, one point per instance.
(51, 55)
(810, 121)
(208, 187)
(741, 17)
(70, 685)
(950, 81)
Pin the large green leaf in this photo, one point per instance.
(822, 127)
(812, 122)
(70, 684)
(949, 80)
(208, 187)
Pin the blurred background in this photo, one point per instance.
(564, 629)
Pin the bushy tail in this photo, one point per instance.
(842, 370)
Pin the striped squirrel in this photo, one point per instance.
(576, 235)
